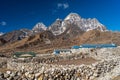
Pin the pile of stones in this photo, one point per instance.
(16, 75)
(81, 72)
(60, 72)
(3, 62)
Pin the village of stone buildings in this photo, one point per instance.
(83, 62)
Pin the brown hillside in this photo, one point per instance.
(96, 37)
(47, 42)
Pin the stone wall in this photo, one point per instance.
(67, 72)
(3, 62)
(17, 64)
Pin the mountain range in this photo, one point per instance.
(73, 30)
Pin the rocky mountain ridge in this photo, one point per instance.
(59, 26)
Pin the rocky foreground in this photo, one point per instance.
(105, 68)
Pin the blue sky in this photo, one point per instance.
(17, 14)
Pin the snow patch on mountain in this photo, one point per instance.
(56, 27)
(73, 17)
(1, 33)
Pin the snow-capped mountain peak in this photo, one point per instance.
(82, 23)
(74, 20)
(73, 16)
(39, 27)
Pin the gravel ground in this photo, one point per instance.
(86, 61)
(116, 78)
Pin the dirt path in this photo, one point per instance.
(116, 78)
(86, 61)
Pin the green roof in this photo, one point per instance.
(18, 54)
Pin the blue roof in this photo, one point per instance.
(94, 46)
(75, 47)
(56, 52)
(98, 45)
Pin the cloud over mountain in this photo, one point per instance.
(63, 5)
(3, 23)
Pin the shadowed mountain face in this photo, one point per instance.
(12, 36)
(56, 27)
(71, 31)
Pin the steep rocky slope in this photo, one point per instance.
(56, 27)
(13, 36)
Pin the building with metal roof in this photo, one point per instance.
(75, 47)
(98, 46)
(60, 51)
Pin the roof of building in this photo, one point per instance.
(75, 47)
(24, 54)
(57, 51)
(97, 45)
(62, 50)
(93, 46)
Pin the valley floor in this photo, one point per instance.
(84, 64)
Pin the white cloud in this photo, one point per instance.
(3, 23)
(63, 5)
(66, 6)
(59, 5)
